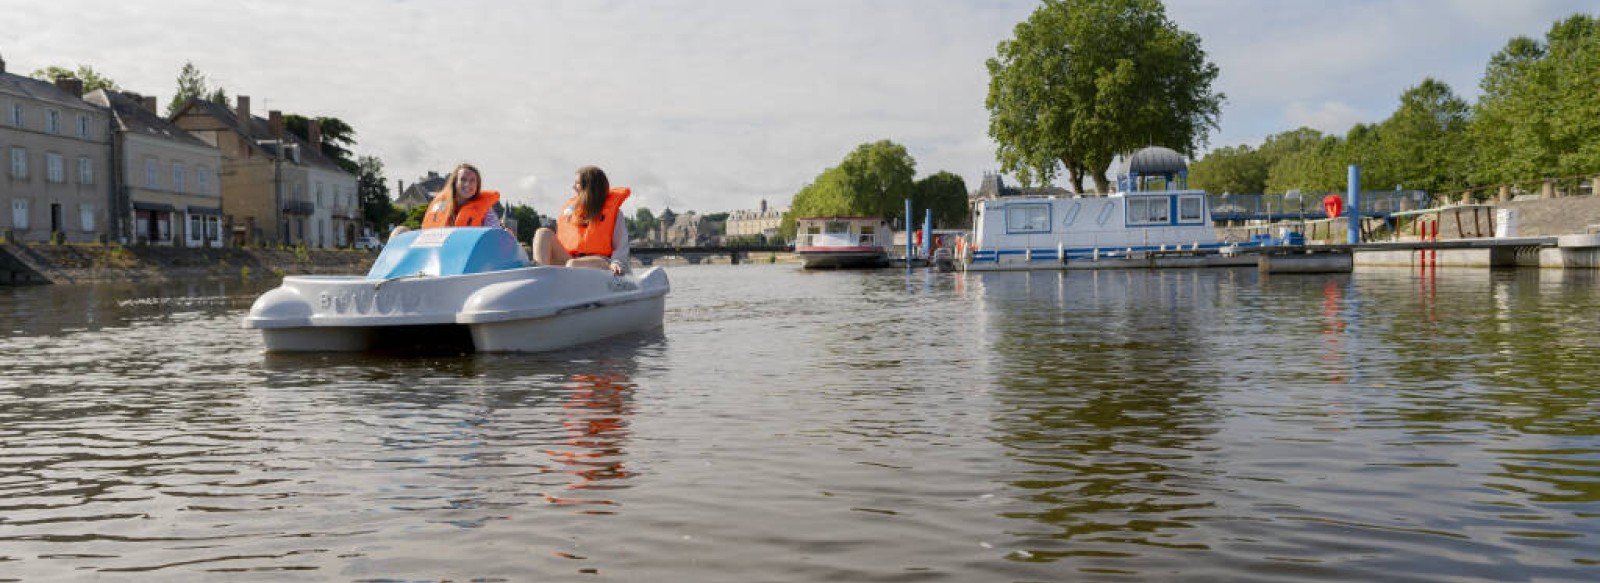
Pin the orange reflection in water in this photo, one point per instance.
(595, 418)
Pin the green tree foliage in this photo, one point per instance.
(1424, 145)
(1231, 169)
(1244, 170)
(413, 218)
(337, 136)
(873, 180)
(1538, 115)
(643, 224)
(946, 194)
(377, 208)
(192, 84)
(1084, 80)
(92, 79)
(527, 221)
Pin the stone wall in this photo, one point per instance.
(31, 263)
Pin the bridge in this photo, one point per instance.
(736, 255)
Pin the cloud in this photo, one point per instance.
(715, 105)
(1329, 117)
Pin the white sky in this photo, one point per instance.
(713, 105)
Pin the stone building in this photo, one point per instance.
(55, 152)
(170, 192)
(279, 188)
(420, 192)
(751, 223)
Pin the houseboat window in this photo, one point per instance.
(1028, 218)
(1147, 210)
(1071, 214)
(868, 229)
(837, 228)
(813, 229)
(1189, 209)
(1105, 213)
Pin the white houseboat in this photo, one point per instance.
(842, 242)
(1129, 228)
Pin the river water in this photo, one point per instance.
(830, 426)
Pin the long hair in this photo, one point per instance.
(450, 182)
(592, 189)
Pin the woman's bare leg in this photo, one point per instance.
(546, 250)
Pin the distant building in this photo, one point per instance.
(279, 189)
(993, 186)
(688, 230)
(750, 223)
(55, 152)
(420, 192)
(170, 193)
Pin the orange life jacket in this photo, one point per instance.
(594, 238)
(469, 215)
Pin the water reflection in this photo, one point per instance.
(1106, 401)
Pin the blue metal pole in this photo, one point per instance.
(927, 232)
(1354, 204)
(908, 232)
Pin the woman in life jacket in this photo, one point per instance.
(461, 203)
(590, 230)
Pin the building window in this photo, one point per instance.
(55, 168)
(85, 171)
(86, 216)
(19, 213)
(16, 115)
(319, 195)
(152, 176)
(19, 163)
(52, 122)
(83, 127)
(1028, 218)
(196, 230)
(202, 176)
(178, 182)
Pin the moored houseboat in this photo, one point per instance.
(842, 242)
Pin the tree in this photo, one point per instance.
(336, 136)
(377, 209)
(527, 221)
(192, 85)
(1084, 80)
(1231, 169)
(92, 79)
(946, 194)
(875, 179)
(643, 223)
(1424, 144)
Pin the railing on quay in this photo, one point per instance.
(1303, 205)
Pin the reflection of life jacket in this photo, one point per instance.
(594, 238)
(469, 215)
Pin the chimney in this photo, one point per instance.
(314, 132)
(275, 121)
(71, 85)
(2, 65)
(244, 112)
(149, 102)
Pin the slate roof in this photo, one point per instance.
(259, 134)
(131, 117)
(43, 91)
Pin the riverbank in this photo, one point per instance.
(43, 263)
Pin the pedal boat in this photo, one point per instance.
(466, 288)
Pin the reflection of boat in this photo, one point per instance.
(822, 242)
(461, 286)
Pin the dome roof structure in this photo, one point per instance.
(1154, 161)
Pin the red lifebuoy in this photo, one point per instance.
(1333, 205)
